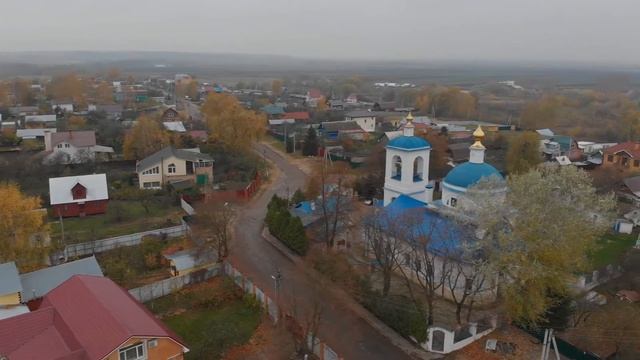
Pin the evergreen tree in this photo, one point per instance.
(310, 147)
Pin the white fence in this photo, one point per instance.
(187, 207)
(167, 286)
(320, 349)
(247, 285)
(93, 247)
(443, 341)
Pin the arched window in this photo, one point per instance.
(172, 169)
(396, 170)
(418, 169)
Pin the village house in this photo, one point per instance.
(190, 260)
(624, 156)
(366, 119)
(335, 130)
(170, 114)
(19, 111)
(71, 147)
(300, 116)
(34, 134)
(40, 120)
(79, 195)
(113, 111)
(174, 126)
(88, 317)
(170, 165)
(17, 290)
(312, 97)
(62, 106)
(561, 145)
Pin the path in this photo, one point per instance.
(348, 334)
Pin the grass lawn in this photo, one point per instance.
(211, 317)
(611, 248)
(122, 217)
(135, 266)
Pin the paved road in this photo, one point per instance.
(345, 332)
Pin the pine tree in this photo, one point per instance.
(310, 147)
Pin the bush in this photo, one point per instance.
(398, 312)
(285, 227)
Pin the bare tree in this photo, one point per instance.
(333, 200)
(384, 245)
(212, 228)
(304, 322)
(464, 282)
(423, 264)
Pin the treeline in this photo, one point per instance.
(286, 227)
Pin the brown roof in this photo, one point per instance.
(630, 147)
(75, 138)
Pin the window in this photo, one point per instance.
(151, 185)
(636, 163)
(133, 352)
(171, 168)
(468, 284)
(155, 170)
(67, 146)
(152, 343)
(610, 158)
(396, 169)
(454, 202)
(59, 146)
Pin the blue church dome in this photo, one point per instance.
(467, 174)
(409, 143)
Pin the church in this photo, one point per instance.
(407, 171)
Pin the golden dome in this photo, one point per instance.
(409, 117)
(478, 133)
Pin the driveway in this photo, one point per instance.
(344, 331)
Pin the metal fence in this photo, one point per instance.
(320, 349)
(167, 286)
(97, 246)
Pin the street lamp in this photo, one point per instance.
(277, 280)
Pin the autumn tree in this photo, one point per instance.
(4, 95)
(523, 153)
(454, 102)
(439, 158)
(20, 225)
(276, 87)
(423, 101)
(22, 92)
(76, 122)
(333, 199)
(145, 138)
(321, 105)
(542, 113)
(234, 126)
(539, 235)
(113, 74)
(104, 93)
(67, 87)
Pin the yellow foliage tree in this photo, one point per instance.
(423, 101)
(76, 123)
(20, 225)
(231, 124)
(68, 87)
(104, 93)
(4, 95)
(322, 104)
(541, 114)
(276, 87)
(145, 138)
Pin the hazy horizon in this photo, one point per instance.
(564, 31)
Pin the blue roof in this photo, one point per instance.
(443, 233)
(272, 109)
(467, 174)
(409, 143)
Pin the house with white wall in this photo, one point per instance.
(72, 147)
(365, 119)
(171, 165)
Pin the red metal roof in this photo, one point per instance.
(299, 115)
(86, 317)
(630, 147)
(199, 134)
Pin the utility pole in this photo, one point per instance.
(277, 280)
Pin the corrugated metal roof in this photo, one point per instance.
(190, 258)
(60, 188)
(167, 152)
(38, 283)
(9, 279)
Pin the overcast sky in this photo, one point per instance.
(603, 31)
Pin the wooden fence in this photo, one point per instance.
(167, 286)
